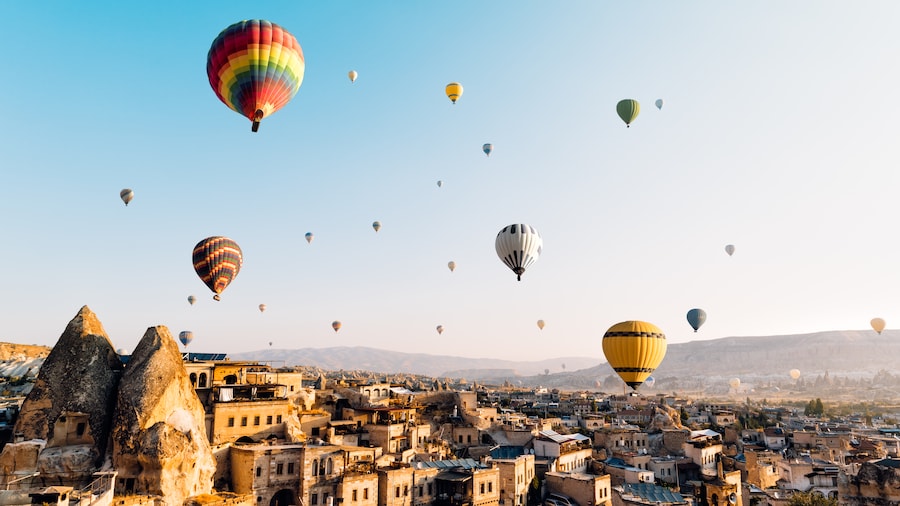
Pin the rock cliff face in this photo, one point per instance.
(71, 404)
(159, 436)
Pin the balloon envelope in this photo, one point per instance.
(309, 237)
(440, 183)
(628, 110)
(454, 91)
(518, 246)
(487, 148)
(540, 324)
(729, 249)
(126, 195)
(451, 265)
(734, 383)
(376, 225)
(336, 325)
(255, 67)
(185, 336)
(650, 381)
(659, 103)
(696, 317)
(352, 75)
(262, 308)
(878, 324)
(795, 373)
(634, 349)
(192, 299)
(217, 260)
(440, 329)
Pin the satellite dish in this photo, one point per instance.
(732, 498)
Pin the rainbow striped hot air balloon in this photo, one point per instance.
(217, 260)
(634, 349)
(255, 67)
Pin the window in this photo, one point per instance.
(490, 486)
(469, 438)
(290, 468)
(231, 421)
(269, 420)
(315, 468)
(278, 419)
(481, 488)
(243, 421)
(329, 466)
(314, 499)
(79, 429)
(397, 491)
(353, 495)
(258, 472)
(405, 490)
(365, 493)
(193, 379)
(202, 383)
(421, 490)
(256, 420)
(429, 488)
(460, 438)
(279, 469)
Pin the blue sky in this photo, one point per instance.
(778, 135)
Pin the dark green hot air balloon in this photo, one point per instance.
(696, 317)
(628, 110)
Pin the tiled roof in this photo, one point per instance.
(653, 493)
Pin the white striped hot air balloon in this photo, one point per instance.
(519, 246)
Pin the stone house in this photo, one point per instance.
(585, 489)
(516, 474)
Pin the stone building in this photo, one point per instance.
(876, 482)
(585, 489)
(516, 474)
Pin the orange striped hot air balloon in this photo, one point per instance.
(634, 349)
(217, 260)
(255, 67)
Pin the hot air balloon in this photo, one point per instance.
(185, 336)
(270, 344)
(309, 237)
(352, 75)
(192, 299)
(122, 352)
(649, 382)
(628, 110)
(696, 317)
(734, 383)
(518, 246)
(451, 265)
(659, 103)
(376, 225)
(262, 308)
(217, 260)
(540, 324)
(795, 373)
(440, 329)
(487, 148)
(454, 91)
(877, 324)
(440, 183)
(634, 349)
(729, 249)
(336, 325)
(255, 67)
(127, 194)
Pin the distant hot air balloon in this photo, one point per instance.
(309, 237)
(634, 349)
(262, 308)
(122, 352)
(518, 246)
(440, 183)
(795, 373)
(734, 383)
(454, 91)
(659, 103)
(217, 260)
(628, 110)
(729, 249)
(376, 225)
(877, 324)
(185, 336)
(440, 329)
(192, 299)
(336, 325)
(270, 344)
(127, 194)
(696, 317)
(352, 75)
(540, 324)
(255, 67)
(451, 265)
(649, 382)
(487, 148)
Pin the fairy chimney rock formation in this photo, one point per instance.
(159, 437)
(71, 404)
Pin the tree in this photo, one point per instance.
(811, 499)
(820, 408)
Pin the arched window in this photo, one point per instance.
(315, 468)
(193, 379)
(384, 392)
(328, 466)
(202, 383)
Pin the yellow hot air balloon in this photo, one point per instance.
(634, 349)
(541, 324)
(352, 75)
(795, 373)
(877, 324)
(454, 91)
(734, 383)
(336, 325)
